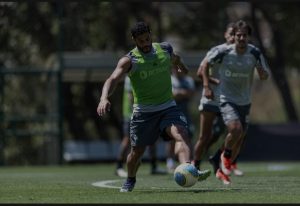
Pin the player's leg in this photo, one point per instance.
(175, 126)
(235, 169)
(218, 129)
(224, 170)
(231, 116)
(171, 157)
(214, 160)
(181, 149)
(237, 149)
(134, 160)
(144, 131)
(232, 137)
(133, 163)
(244, 118)
(206, 123)
(224, 178)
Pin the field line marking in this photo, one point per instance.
(278, 167)
(105, 183)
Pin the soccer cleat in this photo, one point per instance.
(158, 171)
(236, 171)
(127, 186)
(203, 175)
(225, 165)
(121, 172)
(224, 178)
(215, 163)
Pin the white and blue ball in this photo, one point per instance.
(186, 175)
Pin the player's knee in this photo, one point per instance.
(237, 132)
(181, 146)
(178, 132)
(183, 132)
(137, 152)
(236, 129)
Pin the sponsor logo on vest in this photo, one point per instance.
(146, 74)
(235, 74)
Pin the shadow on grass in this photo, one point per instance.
(198, 190)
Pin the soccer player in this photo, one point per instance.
(154, 110)
(125, 143)
(183, 89)
(211, 123)
(237, 63)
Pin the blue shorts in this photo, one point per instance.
(147, 127)
(231, 111)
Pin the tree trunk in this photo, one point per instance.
(276, 62)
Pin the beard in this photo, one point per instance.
(145, 49)
(242, 44)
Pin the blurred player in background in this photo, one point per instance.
(211, 123)
(237, 63)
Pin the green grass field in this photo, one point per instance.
(264, 182)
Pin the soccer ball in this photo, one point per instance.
(186, 175)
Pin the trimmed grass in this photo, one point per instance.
(264, 182)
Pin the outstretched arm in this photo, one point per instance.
(111, 83)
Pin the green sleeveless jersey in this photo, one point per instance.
(151, 78)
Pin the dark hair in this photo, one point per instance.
(242, 25)
(140, 28)
(230, 25)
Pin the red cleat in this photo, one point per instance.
(236, 171)
(225, 165)
(224, 178)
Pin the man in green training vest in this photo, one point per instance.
(155, 113)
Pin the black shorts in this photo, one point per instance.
(147, 127)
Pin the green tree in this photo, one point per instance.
(278, 17)
(29, 38)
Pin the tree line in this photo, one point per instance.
(30, 36)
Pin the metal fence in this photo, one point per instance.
(30, 116)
